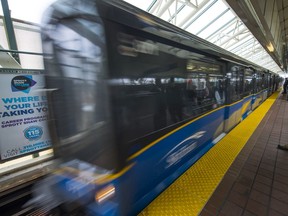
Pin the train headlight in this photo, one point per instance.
(105, 193)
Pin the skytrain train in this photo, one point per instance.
(134, 102)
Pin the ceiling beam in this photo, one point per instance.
(250, 13)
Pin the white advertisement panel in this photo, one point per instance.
(23, 113)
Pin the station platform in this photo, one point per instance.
(243, 174)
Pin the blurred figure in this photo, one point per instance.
(220, 92)
(208, 90)
(160, 119)
(192, 92)
(174, 101)
(285, 86)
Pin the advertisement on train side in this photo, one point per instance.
(23, 113)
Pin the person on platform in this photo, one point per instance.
(283, 147)
(285, 86)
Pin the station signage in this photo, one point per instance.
(23, 113)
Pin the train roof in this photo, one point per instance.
(132, 16)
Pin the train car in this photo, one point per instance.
(134, 102)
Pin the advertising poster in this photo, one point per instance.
(23, 113)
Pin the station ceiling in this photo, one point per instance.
(283, 14)
(216, 22)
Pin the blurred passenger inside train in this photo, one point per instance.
(219, 92)
(174, 101)
(160, 118)
(192, 92)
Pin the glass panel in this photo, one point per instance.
(28, 39)
(207, 17)
(166, 16)
(226, 33)
(216, 25)
(3, 38)
(241, 44)
(235, 83)
(140, 4)
(22, 9)
(160, 90)
(248, 84)
(260, 81)
(183, 14)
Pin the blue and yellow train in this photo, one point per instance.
(134, 102)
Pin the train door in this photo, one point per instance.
(270, 83)
(248, 82)
(258, 88)
(235, 90)
(265, 85)
(247, 93)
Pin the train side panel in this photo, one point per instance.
(168, 157)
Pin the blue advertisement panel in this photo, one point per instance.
(23, 113)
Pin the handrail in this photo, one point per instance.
(23, 52)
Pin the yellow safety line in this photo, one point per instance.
(190, 192)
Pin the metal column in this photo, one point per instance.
(9, 30)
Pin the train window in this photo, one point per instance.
(270, 82)
(260, 81)
(248, 84)
(266, 81)
(235, 87)
(155, 88)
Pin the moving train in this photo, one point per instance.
(134, 102)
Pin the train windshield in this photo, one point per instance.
(76, 78)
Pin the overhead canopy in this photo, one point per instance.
(213, 21)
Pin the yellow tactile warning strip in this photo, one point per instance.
(190, 192)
